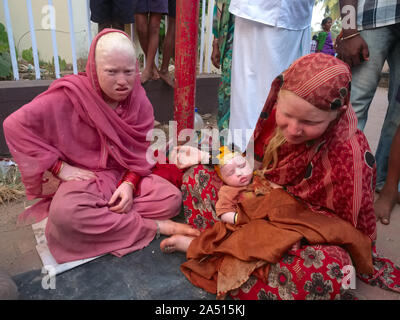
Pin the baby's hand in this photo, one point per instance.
(187, 156)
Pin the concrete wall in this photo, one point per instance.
(14, 94)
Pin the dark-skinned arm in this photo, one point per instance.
(351, 48)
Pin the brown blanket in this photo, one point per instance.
(269, 222)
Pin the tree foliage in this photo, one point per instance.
(332, 8)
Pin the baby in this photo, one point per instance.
(236, 173)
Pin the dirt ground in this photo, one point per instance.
(17, 243)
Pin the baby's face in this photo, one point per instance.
(237, 172)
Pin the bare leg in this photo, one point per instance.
(143, 35)
(389, 194)
(168, 50)
(153, 31)
(177, 242)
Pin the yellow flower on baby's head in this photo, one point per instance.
(225, 154)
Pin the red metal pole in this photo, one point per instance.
(187, 22)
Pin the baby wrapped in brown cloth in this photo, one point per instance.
(269, 222)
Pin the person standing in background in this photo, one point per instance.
(221, 57)
(325, 44)
(268, 37)
(390, 195)
(314, 43)
(112, 14)
(148, 15)
(365, 46)
(169, 44)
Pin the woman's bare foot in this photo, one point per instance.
(177, 242)
(384, 205)
(169, 228)
(166, 76)
(145, 76)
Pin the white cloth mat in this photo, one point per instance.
(49, 263)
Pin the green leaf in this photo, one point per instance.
(5, 65)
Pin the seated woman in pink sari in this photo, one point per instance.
(308, 216)
(90, 131)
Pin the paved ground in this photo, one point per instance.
(17, 244)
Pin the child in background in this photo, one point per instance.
(314, 43)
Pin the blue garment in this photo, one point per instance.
(112, 11)
(146, 6)
(383, 44)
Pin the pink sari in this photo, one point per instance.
(71, 121)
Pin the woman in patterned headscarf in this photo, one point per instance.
(308, 143)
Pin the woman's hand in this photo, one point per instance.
(69, 173)
(216, 54)
(125, 193)
(187, 156)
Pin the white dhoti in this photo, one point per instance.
(260, 53)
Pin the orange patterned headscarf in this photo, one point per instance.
(326, 88)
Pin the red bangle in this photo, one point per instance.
(56, 168)
(131, 178)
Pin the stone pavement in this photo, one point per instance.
(149, 274)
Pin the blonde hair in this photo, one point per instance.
(271, 150)
(115, 41)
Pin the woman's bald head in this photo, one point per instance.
(114, 42)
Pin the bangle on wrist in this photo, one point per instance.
(350, 36)
(130, 183)
(56, 168)
(235, 218)
(131, 178)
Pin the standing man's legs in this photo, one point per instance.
(365, 79)
(169, 44)
(168, 51)
(142, 28)
(148, 28)
(389, 194)
(392, 118)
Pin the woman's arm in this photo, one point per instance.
(66, 172)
